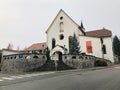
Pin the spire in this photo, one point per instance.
(82, 26)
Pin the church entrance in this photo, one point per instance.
(59, 55)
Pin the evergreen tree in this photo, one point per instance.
(74, 45)
(48, 53)
(116, 46)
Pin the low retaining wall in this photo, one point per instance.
(22, 62)
(79, 61)
(33, 62)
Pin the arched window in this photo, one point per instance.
(104, 49)
(53, 43)
(61, 27)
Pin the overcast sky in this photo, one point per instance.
(24, 22)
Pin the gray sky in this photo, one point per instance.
(24, 22)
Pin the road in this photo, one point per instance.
(102, 79)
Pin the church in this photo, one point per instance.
(94, 45)
(97, 43)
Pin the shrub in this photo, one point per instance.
(100, 63)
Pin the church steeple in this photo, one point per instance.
(82, 27)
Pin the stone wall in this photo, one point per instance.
(79, 61)
(22, 62)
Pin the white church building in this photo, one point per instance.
(97, 43)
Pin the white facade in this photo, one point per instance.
(97, 47)
(63, 27)
(9, 52)
(53, 32)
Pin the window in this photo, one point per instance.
(53, 43)
(61, 37)
(104, 49)
(61, 18)
(61, 27)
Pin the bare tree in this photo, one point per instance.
(10, 46)
(18, 48)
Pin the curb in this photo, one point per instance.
(87, 69)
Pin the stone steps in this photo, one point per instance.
(63, 66)
(50, 66)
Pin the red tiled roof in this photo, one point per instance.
(37, 46)
(99, 33)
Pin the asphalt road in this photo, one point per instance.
(102, 79)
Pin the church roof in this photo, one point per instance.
(99, 33)
(37, 46)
